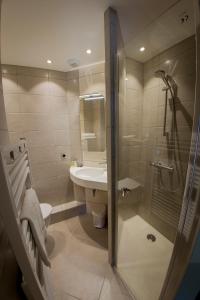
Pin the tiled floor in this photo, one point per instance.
(79, 258)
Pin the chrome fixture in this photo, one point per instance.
(92, 96)
(125, 191)
(151, 237)
(170, 85)
(169, 82)
(161, 165)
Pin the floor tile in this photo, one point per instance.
(83, 229)
(60, 295)
(79, 266)
(113, 288)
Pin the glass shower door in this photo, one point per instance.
(156, 77)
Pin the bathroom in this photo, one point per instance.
(106, 117)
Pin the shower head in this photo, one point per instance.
(168, 81)
(160, 74)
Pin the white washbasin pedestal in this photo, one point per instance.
(94, 182)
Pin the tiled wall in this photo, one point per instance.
(43, 107)
(166, 189)
(141, 125)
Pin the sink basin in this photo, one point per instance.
(96, 178)
(89, 177)
(90, 172)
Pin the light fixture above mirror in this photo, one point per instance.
(91, 97)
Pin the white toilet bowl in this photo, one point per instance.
(46, 212)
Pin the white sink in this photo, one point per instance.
(90, 172)
(89, 177)
(96, 178)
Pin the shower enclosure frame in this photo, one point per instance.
(189, 222)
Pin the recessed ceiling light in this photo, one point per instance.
(49, 61)
(142, 49)
(126, 78)
(88, 51)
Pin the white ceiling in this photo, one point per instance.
(36, 30)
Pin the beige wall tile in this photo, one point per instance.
(72, 87)
(45, 170)
(14, 122)
(62, 137)
(53, 190)
(12, 103)
(57, 87)
(60, 150)
(37, 109)
(33, 85)
(61, 122)
(57, 75)
(10, 84)
(36, 72)
(60, 105)
(15, 136)
(31, 121)
(42, 154)
(4, 138)
(73, 105)
(93, 69)
(40, 138)
(8, 69)
(74, 122)
(92, 83)
(36, 103)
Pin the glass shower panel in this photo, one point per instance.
(156, 103)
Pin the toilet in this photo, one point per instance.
(46, 212)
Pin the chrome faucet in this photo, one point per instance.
(125, 191)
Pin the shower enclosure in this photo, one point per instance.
(151, 119)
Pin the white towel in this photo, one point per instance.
(31, 211)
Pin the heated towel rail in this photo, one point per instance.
(15, 179)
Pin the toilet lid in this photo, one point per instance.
(46, 209)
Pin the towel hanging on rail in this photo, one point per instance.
(32, 213)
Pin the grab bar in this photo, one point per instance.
(160, 165)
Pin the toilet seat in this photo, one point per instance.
(46, 210)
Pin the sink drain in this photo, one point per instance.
(151, 237)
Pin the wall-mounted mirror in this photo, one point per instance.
(92, 120)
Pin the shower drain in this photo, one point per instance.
(151, 237)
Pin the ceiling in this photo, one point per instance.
(36, 30)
